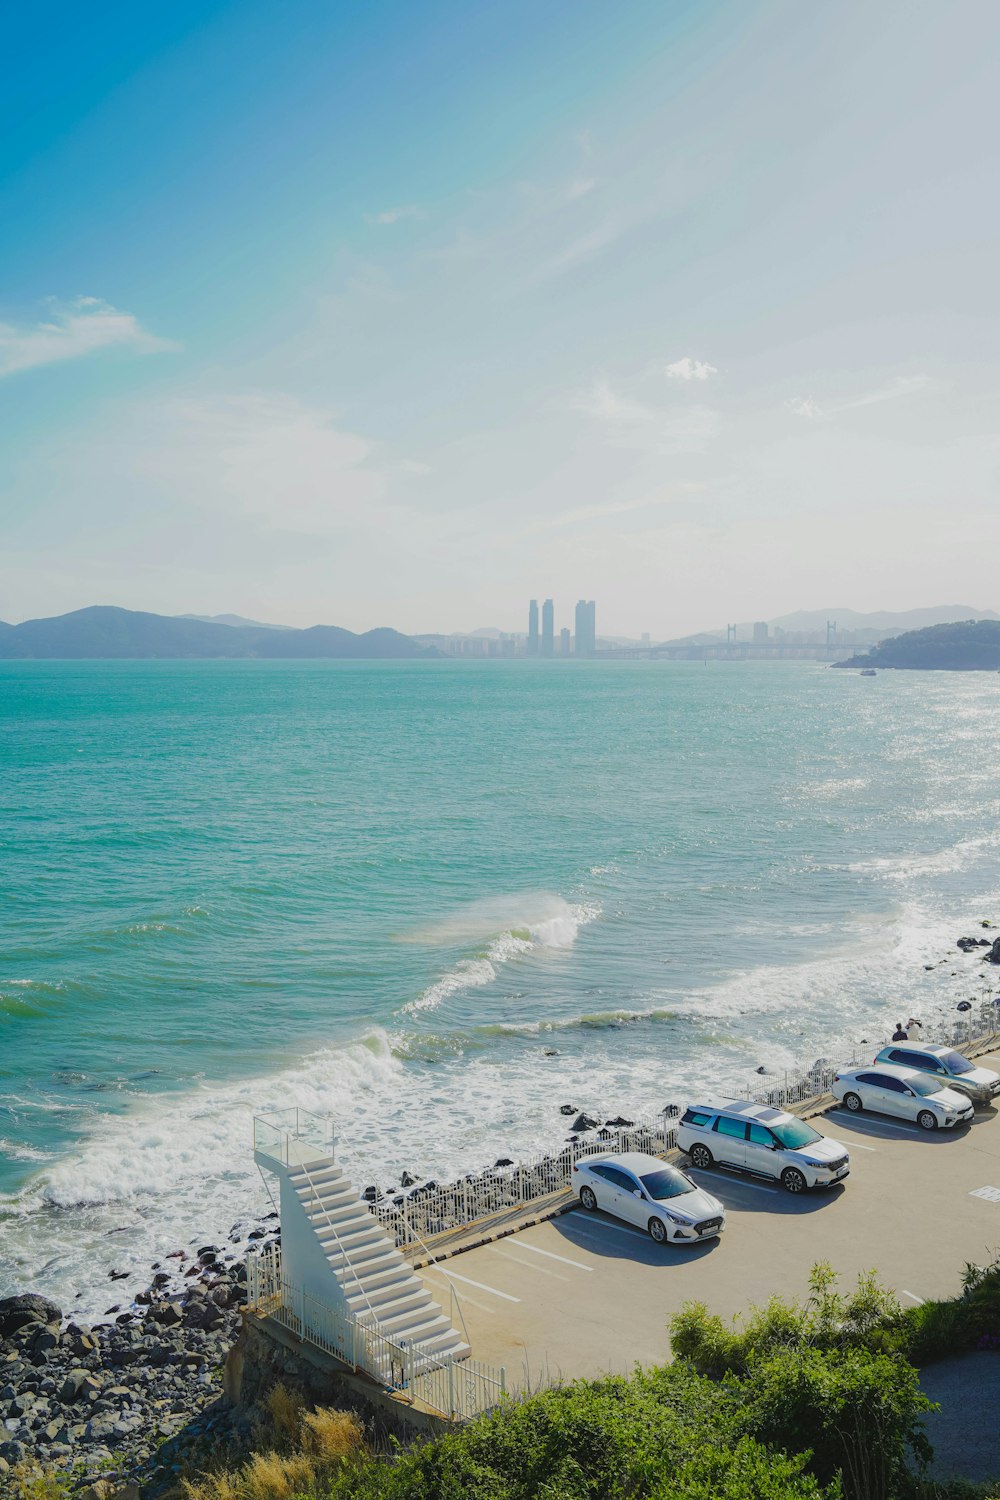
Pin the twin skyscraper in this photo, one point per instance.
(544, 643)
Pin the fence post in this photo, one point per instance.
(451, 1387)
(503, 1380)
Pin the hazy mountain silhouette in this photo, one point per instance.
(239, 620)
(106, 632)
(969, 646)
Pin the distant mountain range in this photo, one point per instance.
(239, 620)
(106, 632)
(885, 619)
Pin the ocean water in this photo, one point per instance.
(439, 900)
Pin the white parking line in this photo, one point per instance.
(857, 1146)
(737, 1181)
(494, 1291)
(616, 1228)
(436, 1286)
(523, 1245)
(531, 1265)
(918, 1300)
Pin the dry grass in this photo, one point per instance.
(330, 1435)
(315, 1443)
(284, 1410)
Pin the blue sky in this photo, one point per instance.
(400, 314)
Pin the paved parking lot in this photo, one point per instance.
(584, 1293)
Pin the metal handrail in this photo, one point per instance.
(455, 1298)
(340, 1243)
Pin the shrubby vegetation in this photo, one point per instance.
(869, 1317)
(816, 1400)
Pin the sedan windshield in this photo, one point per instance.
(925, 1087)
(795, 1134)
(956, 1063)
(666, 1184)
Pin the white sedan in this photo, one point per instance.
(906, 1092)
(646, 1191)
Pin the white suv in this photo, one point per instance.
(768, 1142)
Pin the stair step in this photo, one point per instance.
(299, 1178)
(394, 1273)
(387, 1307)
(317, 1201)
(368, 1258)
(360, 1234)
(386, 1290)
(448, 1346)
(417, 1325)
(345, 1217)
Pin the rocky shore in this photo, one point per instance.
(138, 1387)
(137, 1393)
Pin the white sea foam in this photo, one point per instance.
(514, 925)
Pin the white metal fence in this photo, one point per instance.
(980, 1021)
(457, 1388)
(430, 1209)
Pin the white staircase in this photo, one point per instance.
(377, 1284)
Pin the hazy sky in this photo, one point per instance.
(400, 313)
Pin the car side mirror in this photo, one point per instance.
(638, 1193)
(908, 1093)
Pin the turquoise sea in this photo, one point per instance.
(440, 899)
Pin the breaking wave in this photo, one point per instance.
(510, 927)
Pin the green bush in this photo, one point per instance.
(972, 1320)
(665, 1433)
(859, 1413)
(868, 1317)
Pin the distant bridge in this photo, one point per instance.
(729, 651)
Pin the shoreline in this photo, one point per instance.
(144, 1378)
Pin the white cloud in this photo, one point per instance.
(414, 466)
(902, 385)
(580, 187)
(277, 460)
(393, 215)
(690, 369)
(632, 424)
(85, 326)
(604, 404)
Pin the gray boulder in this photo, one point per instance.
(29, 1307)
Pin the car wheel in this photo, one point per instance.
(926, 1120)
(700, 1156)
(792, 1180)
(853, 1102)
(657, 1230)
(588, 1198)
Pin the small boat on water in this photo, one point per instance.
(868, 672)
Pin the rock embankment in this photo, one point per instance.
(88, 1396)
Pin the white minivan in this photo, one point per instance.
(768, 1142)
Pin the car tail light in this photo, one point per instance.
(836, 1077)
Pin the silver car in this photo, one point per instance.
(947, 1067)
(906, 1092)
